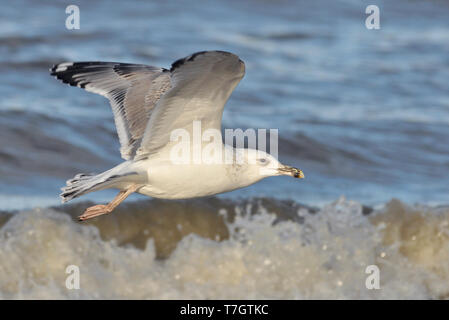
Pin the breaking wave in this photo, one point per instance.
(249, 249)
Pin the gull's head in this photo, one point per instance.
(265, 165)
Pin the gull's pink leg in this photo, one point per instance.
(100, 209)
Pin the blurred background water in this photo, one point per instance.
(364, 113)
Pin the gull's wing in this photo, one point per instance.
(133, 91)
(200, 86)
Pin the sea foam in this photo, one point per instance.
(318, 254)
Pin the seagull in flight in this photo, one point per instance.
(149, 104)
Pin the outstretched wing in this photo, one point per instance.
(200, 86)
(132, 89)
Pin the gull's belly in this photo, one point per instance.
(188, 181)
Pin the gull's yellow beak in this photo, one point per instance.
(291, 171)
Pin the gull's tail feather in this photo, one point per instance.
(80, 177)
(84, 183)
(80, 184)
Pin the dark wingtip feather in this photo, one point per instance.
(192, 57)
(67, 71)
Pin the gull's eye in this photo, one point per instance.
(263, 161)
